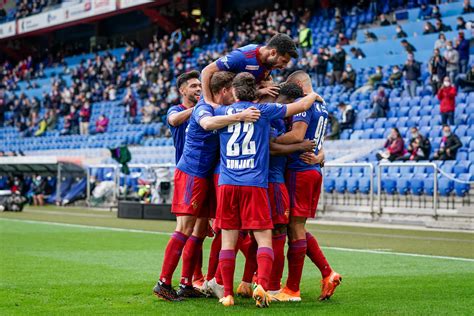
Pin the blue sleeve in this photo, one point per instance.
(273, 110)
(173, 109)
(202, 112)
(303, 117)
(231, 62)
(220, 111)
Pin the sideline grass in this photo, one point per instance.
(50, 269)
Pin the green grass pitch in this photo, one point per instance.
(56, 269)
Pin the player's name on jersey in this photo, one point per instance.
(240, 164)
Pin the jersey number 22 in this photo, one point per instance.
(248, 145)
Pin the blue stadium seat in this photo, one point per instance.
(416, 186)
(340, 185)
(403, 185)
(329, 184)
(389, 186)
(445, 186)
(352, 185)
(461, 189)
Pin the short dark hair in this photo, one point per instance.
(220, 80)
(283, 45)
(291, 90)
(245, 86)
(185, 77)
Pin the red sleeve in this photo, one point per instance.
(452, 92)
(440, 94)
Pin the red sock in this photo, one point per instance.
(172, 254)
(250, 261)
(244, 242)
(316, 255)
(278, 245)
(197, 275)
(227, 265)
(295, 256)
(214, 256)
(190, 257)
(218, 275)
(265, 262)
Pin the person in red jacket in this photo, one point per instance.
(447, 96)
(394, 146)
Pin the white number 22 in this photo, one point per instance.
(248, 145)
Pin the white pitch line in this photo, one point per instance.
(168, 234)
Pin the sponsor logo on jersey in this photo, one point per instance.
(252, 67)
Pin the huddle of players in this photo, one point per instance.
(260, 188)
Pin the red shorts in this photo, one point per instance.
(213, 196)
(304, 188)
(190, 196)
(279, 203)
(243, 207)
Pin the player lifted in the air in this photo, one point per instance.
(193, 178)
(304, 185)
(255, 59)
(242, 197)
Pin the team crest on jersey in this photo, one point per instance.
(287, 213)
(195, 204)
(252, 67)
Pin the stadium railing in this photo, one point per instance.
(350, 165)
(406, 165)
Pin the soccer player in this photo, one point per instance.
(304, 186)
(242, 196)
(189, 87)
(255, 59)
(278, 197)
(192, 179)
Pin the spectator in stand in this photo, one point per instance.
(437, 69)
(339, 25)
(452, 61)
(370, 36)
(51, 120)
(384, 21)
(71, 123)
(447, 96)
(419, 147)
(85, 117)
(412, 73)
(342, 40)
(461, 24)
(435, 14)
(373, 81)
(348, 116)
(429, 28)
(148, 112)
(348, 79)
(395, 79)
(440, 42)
(448, 148)
(131, 105)
(305, 37)
(400, 33)
(357, 53)
(466, 8)
(394, 147)
(441, 27)
(101, 124)
(425, 12)
(462, 46)
(338, 61)
(380, 104)
(321, 66)
(409, 48)
(38, 187)
(43, 124)
(466, 82)
(334, 128)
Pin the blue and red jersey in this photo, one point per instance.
(178, 132)
(201, 148)
(244, 59)
(316, 117)
(244, 146)
(277, 163)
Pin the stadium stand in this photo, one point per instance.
(151, 144)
